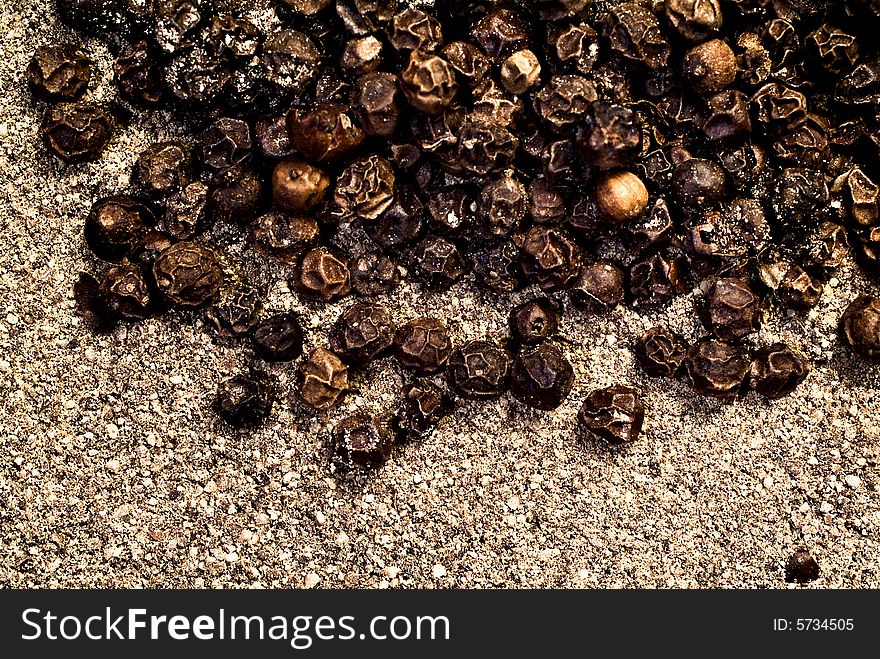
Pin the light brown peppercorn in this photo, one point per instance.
(710, 67)
(621, 196)
(322, 276)
(365, 188)
(428, 82)
(298, 186)
(321, 379)
(59, 72)
(520, 71)
(362, 55)
(284, 237)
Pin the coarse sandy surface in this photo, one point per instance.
(114, 471)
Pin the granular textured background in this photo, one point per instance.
(114, 472)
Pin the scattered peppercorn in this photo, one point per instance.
(423, 345)
(278, 338)
(360, 441)
(478, 370)
(59, 72)
(188, 275)
(717, 368)
(777, 370)
(615, 414)
(860, 325)
(362, 333)
(321, 379)
(76, 132)
(541, 377)
(801, 567)
(661, 353)
(246, 399)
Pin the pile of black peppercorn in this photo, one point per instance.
(731, 144)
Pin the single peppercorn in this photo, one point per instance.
(485, 146)
(801, 567)
(360, 442)
(291, 60)
(717, 368)
(361, 56)
(612, 136)
(657, 279)
(321, 380)
(125, 293)
(728, 116)
(362, 333)
(185, 211)
(661, 353)
(235, 315)
(520, 71)
(698, 183)
(550, 258)
(322, 276)
(58, 72)
(246, 399)
(116, 226)
(298, 186)
(709, 67)
(225, 143)
(478, 370)
(500, 32)
(374, 274)
(541, 377)
(278, 338)
(798, 289)
(422, 406)
(428, 82)
(188, 275)
(860, 326)
(634, 34)
(439, 263)
(777, 370)
(694, 19)
(467, 60)
(534, 321)
(374, 102)
(778, 109)
(576, 45)
(615, 414)
(547, 202)
(324, 133)
(730, 309)
(860, 196)
(284, 237)
(565, 100)
(236, 194)
(502, 205)
(414, 29)
(164, 167)
(599, 288)
(138, 74)
(496, 266)
(76, 132)
(365, 188)
(621, 196)
(423, 344)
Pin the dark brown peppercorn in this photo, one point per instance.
(798, 290)
(709, 67)
(496, 266)
(485, 146)
(634, 34)
(246, 399)
(541, 377)
(599, 288)
(360, 442)
(535, 321)
(716, 368)
(291, 60)
(694, 19)
(125, 293)
(615, 414)
(225, 143)
(422, 407)
(860, 326)
(423, 345)
(321, 380)
(374, 274)
(520, 71)
(860, 196)
(236, 194)
(428, 82)
(799, 199)
(176, 24)
(731, 310)
(164, 168)
(58, 72)
(439, 262)
(362, 16)
(272, 139)
(362, 333)
(612, 137)
(195, 78)
(657, 279)
(374, 101)
(502, 205)
(307, 7)
(652, 229)
(185, 211)
(278, 338)
(836, 50)
(413, 29)
(827, 248)
(621, 196)
(577, 45)
(550, 258)
(365, 188)
(401, 223)
(236, 314)
(728, 116)
(777, 370)
(361, 56)
(565, 100)
(76, 132)
(467, 60)
(478, 370)
(322, 276)
(801, 567)
(500, 32)
(547, 202)
(116, 226)
(230, 37)
(298, 186)
(661, 353)
(138, 74)
(325, 133)
(188, 275)
(698, 183)
(778, 108)
(284, 237)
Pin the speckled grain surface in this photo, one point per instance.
(113, 472)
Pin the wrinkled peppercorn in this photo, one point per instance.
(125, 293)
(520, 71)
(728, 116)
(374, 102)
(365, 188)
(278, 338)
(801, 567)
(652, 229)
(534, 321)
(478, 370)
(76, 132)
(661, 353)
(164, 168)
(600, 287)
(360, 442)
(502, 205)
(860, 196)
(225, 143)
(798, 290)
(236, 194)
(547, 202)
(428, 82)
(777, 370)
(541, 377)
(236, 315)
(485, 146)
(362, 333)
(284, 237)
(731, 310)
(423, 345)
(716, 368)
(612, 137)
(634, 34)
(467, 60)
(439, 263)
(778, 108)
(185, 211)
(500, 32)
(362, 55)
(322, 276)
(577, 45)
(245, 399)
(298, 186)
(496, 266)
(324, 133)
(374, 274)
(694, 19)
(58, 72)
(401, 223)
(698, 183)
(290, 60)
(138, 74)
(422, 407)
(321, 380)
(414, 29)
(188, 275)
(615, 414)
(565, 100)
(550, 258)
(116, 226)
(657, 279)
(860, 326)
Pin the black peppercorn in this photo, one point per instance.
(307, 7)
(361, 56)
(657, 279)
(565, 100)
(777, 370)
(324, 133)
(502, 205)
(414, 29)
(125, 293)
(176, 23)
(694, 19)
(116, 226)
(362, 442)
(801, 567)
(272, 139)
(485, 146)
(298, 186)
(236, 314)
(284, 237)
(500, 32)
(321, 380)
(138, 74)
(615, 414)
(496, 266)
(278, 338)
(439, 263)
(798, 289)
(698, 183)
(478, 370)
(164, 168)
(541, 377)
(859, 195)
(76, 132)
(467, 60)
(599, 288)
(232, 37)
(534, 321)
(652, 229)
(778, 109)
(428, 82)
(374, 101)
(374, 274)
(362, 333)
(246, 399)
(423, 345)
(322, 276)
(547, 202)
(835, 50)
(365, 188)
(196, 78)
(225, 143)
(520, 71)
(717, 368)
(634, 35)
(731, 310)
(185, 211)
(291, 60)
(860, 326)
(362, 16)
(577, 45)
(236, 194)
(188, 275)
(550, 258)
(728, 116)
(612, 136)
(661, 353)
(402, 221)
(58, 72)
(422, 407)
